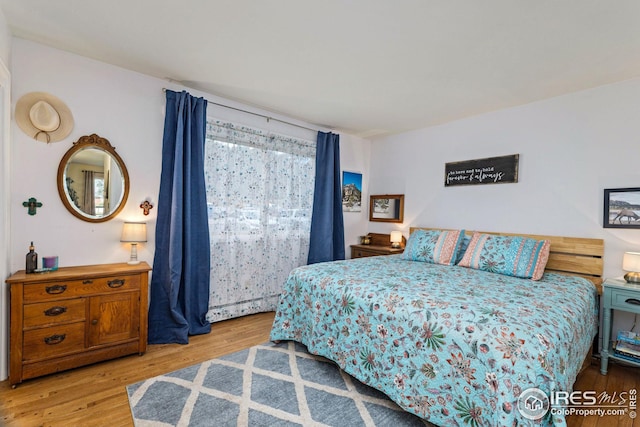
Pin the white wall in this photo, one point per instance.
(5, 40)
(127, 108)
(124, 107)
(571, 148)
(354, 157)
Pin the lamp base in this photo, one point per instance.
(133, 260)
(632, 277)
(395, 245)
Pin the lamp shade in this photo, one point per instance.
(396, 237)
(631, 261)
(134, 232)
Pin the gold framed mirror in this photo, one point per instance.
(93, 181)
(386, 208)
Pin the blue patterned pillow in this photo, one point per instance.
(509, 255)
(434, 246)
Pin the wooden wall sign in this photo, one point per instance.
(491, 170)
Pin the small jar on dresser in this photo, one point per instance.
(620, 295)
(76, 316)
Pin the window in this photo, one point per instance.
(259, 197)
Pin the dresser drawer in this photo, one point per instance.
(50, 291)
(622, 299)
(362, 251)
(359, 253)
(48, 313)
(53, 341)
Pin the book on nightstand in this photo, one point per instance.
(628, 346)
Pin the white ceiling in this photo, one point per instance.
(366, 67)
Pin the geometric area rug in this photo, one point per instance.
(265, 385)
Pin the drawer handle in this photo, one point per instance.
(116, 283)
(55, 311)
(54, 339)
(56, 289)
(633, 301)
(87, 282)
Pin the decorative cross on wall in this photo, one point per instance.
(31, 205)
(146, 207)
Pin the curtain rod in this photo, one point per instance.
(164, 89)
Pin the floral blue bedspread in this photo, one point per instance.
(453, 345)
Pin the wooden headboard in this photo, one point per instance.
(577, 256)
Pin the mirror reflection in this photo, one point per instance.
(92, 180)
(386, 208)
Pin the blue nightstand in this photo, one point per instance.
(617, 295)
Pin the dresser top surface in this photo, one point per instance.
(66, 273)
(378, 248)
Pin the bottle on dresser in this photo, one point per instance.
(31, 260)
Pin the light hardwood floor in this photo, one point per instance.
(96, 396)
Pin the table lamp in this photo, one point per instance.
(396, 239)
(134, 232)
(631, 263)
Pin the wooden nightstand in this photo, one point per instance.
(380, 245)
(617, 295)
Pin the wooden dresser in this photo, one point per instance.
(76, 316)
(380, 245)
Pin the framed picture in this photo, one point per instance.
(621, 208)
(386, 208)
(351, 191)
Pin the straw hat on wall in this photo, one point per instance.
(44, 117)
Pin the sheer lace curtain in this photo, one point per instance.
(260, 197)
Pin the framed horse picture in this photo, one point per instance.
(621, 208)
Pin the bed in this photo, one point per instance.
(454, 345)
